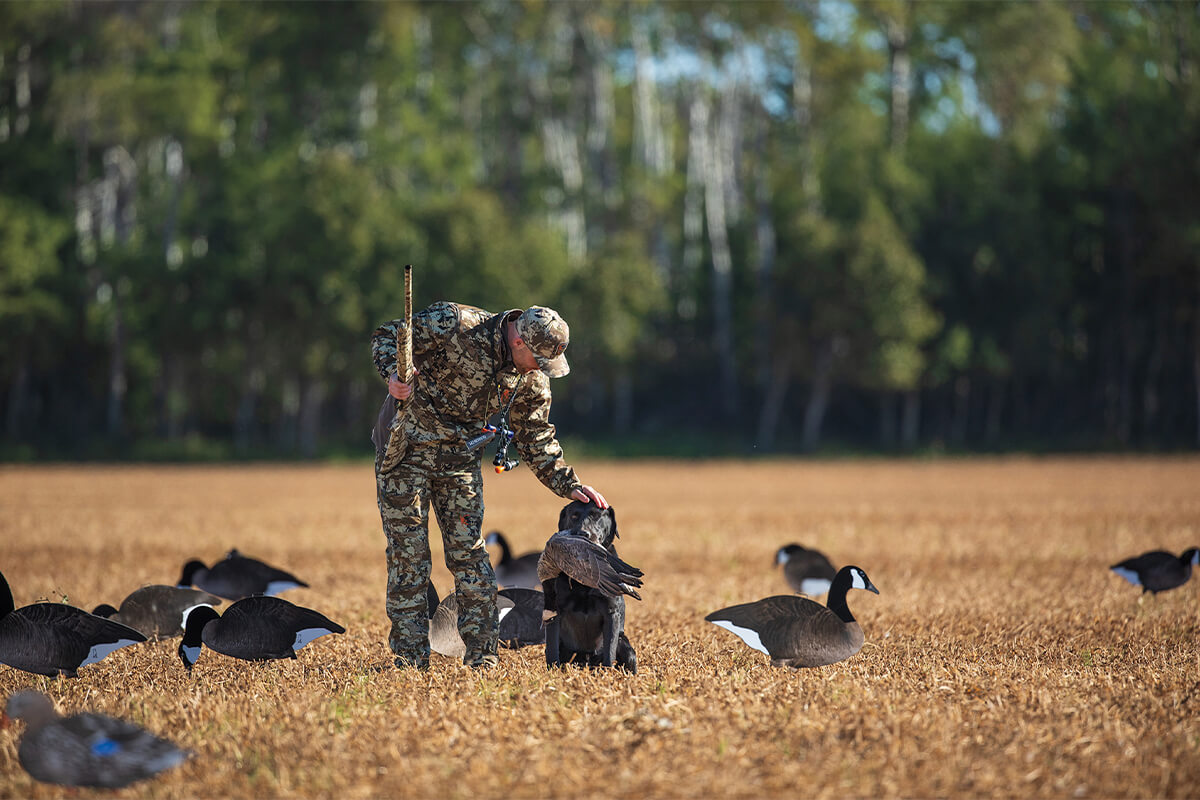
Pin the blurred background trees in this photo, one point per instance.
(873, 226)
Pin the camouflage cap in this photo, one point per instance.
(547, 336)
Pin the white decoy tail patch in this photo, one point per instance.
(99, 651)
(747, 635)
(305, 636)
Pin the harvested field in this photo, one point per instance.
(1003, 658)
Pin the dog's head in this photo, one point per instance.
(597, 524)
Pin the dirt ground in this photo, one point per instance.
(1002, 657)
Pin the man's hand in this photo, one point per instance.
(398, 389)
(586, 494)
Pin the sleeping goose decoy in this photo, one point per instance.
(55, 638)
(797, 632)
(87, 749)
(253, 629)
(156, 611)
(1157, 571)
(519, 571)
(238, 576)
(807, 571)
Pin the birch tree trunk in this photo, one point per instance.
(722, 276)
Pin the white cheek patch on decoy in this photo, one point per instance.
(307, 635)
(189, 610)
(192, 653)
(856, 580)
(815, 585)
(275, 587)
(781, 557)
(99, 651)
(1128, 575)
(747, 635)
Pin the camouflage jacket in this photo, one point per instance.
(464, 373)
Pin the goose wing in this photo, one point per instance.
(588, 563)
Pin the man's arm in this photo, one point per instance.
(536, 442)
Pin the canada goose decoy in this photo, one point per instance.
(253, 629)
(520, 571)
(156, 611)
(807, 571)
(584, 561)
(1157, 571)
(443, 625)
(523, 626)
(87, 749)
(238, 576)
(55, 638)
(797, 632)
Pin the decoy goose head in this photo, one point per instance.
(194, 620)
(33, 707)
(188, 577)
(104, 610)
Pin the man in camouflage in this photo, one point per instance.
(469, 364)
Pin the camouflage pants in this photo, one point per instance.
(453, 485)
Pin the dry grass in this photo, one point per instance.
(1002, 657)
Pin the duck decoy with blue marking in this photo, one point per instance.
(87, 749)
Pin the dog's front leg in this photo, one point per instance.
(550, 616)
(614, 623)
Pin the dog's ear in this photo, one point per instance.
(612, 517)
(562, 517)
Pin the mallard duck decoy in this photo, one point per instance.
(87, 749)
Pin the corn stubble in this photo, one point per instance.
(1002, 657)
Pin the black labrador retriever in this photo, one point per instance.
(588, 626)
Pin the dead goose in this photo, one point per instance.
(1157, 571)
(238, 576)
(807, 571)
(797, 632)
(87, 749)
(156, 611)
(584, 561)
(253, 629)
(519, 571)
(55, 638)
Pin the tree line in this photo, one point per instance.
(772, 226)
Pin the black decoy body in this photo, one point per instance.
(87, 749)
(156, 611)
(238, 576)
(55, 638)
(572, 554)
(519, 571)
(797, 632)
(253, 629)
(523, 625)
(806, 570)
(1157, 571)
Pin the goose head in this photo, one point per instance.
(194, 620)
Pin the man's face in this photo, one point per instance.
(522, 356)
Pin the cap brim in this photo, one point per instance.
(554, 367)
